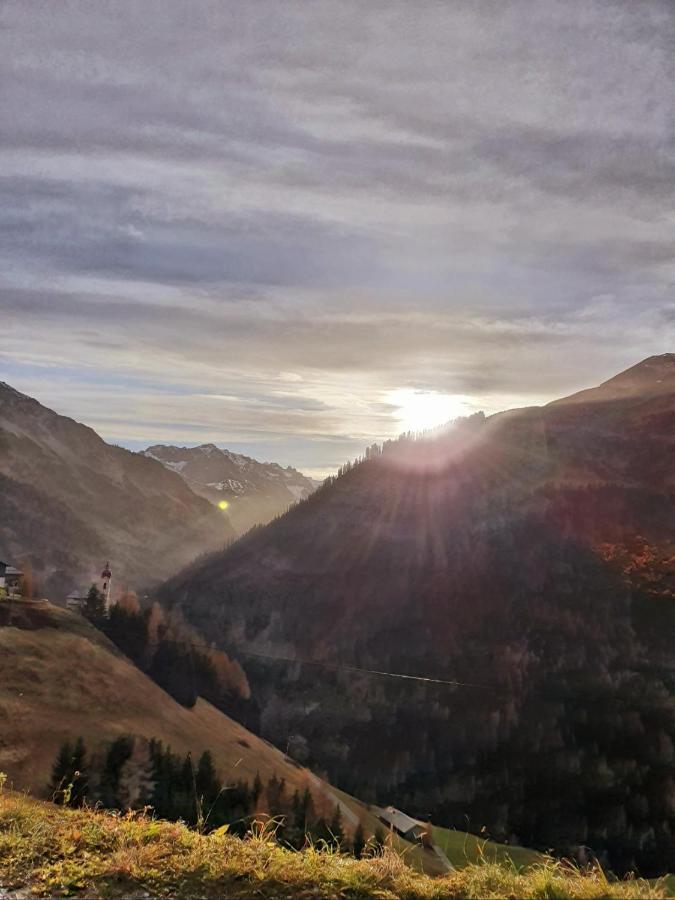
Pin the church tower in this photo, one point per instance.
(106, 580)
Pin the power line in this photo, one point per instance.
(341, 667)
(424, 679)
(336, 667)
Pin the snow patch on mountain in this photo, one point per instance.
(257, 491)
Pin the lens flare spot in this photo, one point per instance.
(223, 504)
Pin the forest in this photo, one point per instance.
(474, 558)
(131, 773)
(170, 652)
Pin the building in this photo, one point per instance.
(404, 825)
(77, 599)
(104, 587)
(11, 581)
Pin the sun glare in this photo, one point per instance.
(421, 410)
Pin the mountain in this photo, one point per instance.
(527, 557)
(71, 502)
(255, 492)
(652, 378)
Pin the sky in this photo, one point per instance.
(294, 229)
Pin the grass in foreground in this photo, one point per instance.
(60, 851)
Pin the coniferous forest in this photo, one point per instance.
(130, 773)
(526, 559)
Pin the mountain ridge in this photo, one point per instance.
(255, 491)
(652, 375)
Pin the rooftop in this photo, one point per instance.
(399, 820)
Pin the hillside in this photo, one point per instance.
(60, 679)
(528, 556)
(71, 502)
(255, 492)
(51, 850)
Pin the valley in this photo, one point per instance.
(517, 570)
(337, 450)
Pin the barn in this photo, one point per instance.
(404, 825)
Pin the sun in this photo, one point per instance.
(421, 410)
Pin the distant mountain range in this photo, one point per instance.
(529, 557)
(255, 492)
(70, 502)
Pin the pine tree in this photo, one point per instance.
(206, 778)
(358, 841)
(378, 839)
(94, 607)
(80, 781)
(295, 827)
(119, 751)
(257, 789)
(186, 796)
(321, 831)
(335, 828)
(173, 669)
(61, 773)
(273, 792)
(136, 782)
(69, 774)
(307, 805)
(164, 773)
(126, 628)
(297, 818)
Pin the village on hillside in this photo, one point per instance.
(15, 586)
(11, 582)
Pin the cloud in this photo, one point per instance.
(306, 208)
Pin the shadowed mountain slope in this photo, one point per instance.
(529, 555)
(60, 678)
(75, 501)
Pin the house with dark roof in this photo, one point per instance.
(404, 825)
(11, 580)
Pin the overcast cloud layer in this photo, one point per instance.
(252, 222)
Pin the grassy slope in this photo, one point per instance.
(66, 679)
(463, 849)
(415, 855)
(56, 850)
(460, 848)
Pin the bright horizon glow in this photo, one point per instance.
(421, 410)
